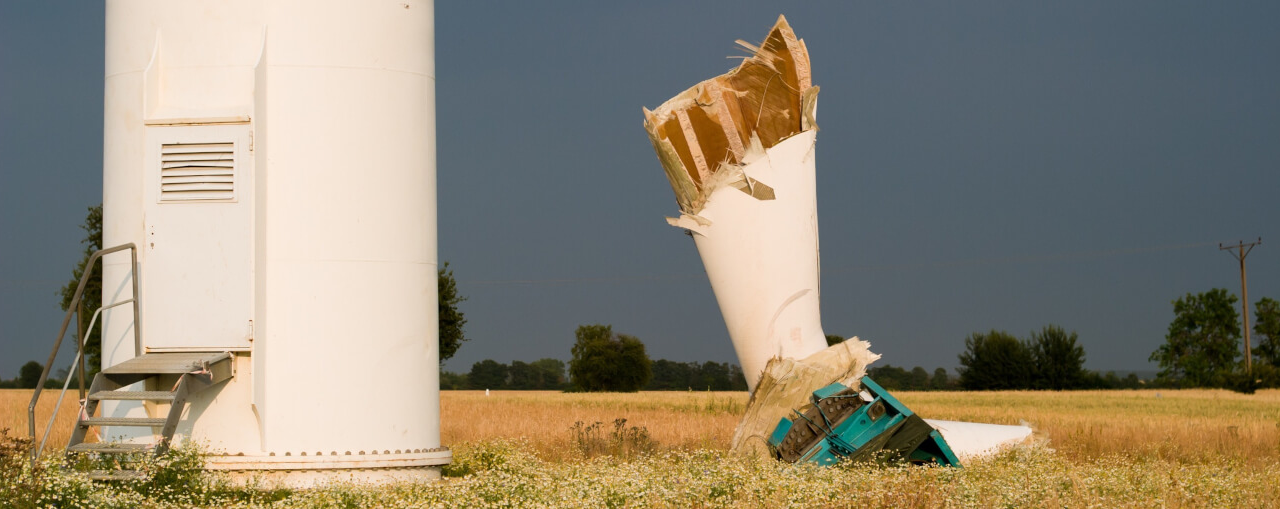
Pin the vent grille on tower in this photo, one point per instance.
(197, 171)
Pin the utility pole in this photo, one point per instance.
(1241, 251)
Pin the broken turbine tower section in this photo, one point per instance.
(738, 150)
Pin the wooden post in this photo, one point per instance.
(1240, 255)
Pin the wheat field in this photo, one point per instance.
(13, 415)
(1185, 448)
(675, 420)
(1180, 425)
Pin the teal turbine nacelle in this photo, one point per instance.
(843, 423)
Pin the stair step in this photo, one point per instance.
(116, 475)
(173, 363)
(123, 421)
(111, 447)
(133, 395)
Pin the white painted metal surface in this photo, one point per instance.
(322, 263)
(761, 257)
(974, 440)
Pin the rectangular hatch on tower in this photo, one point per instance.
(197, 263)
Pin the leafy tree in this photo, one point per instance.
(1203, 342)
(450, 381)
(488, 374)
(721, 376)
(713, 376)
(1100, 380)
(604, 361)
(29, 375)
(542, 374)
(995, 361)
(1267, 330)
(451, 319)
(1267, 375)
(1059, 359)
(940, 381)
(538, 375)
(1110, 380)
(680, 376)
(550, 372)
(522, 376)
(890, 377)
(91, 300)
(919, 379)
(737, 379)
(671, 376)
(832, 339)
(1131, 381)
(634, 366)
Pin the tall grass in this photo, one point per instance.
(1191, 448)
(675, 420)
(1180, 425)
(13, 414)
(506, 473)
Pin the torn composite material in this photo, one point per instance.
(738, 150)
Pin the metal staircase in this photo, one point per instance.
(169, 377)
(194, 372)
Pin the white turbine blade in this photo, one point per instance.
(971, 440)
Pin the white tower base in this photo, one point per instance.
(308, 471)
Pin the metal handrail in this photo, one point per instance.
(74, 310)
(66, 384)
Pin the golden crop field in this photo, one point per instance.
(13, 414)
(1184, 425)
(678, 420)
(1184, 448)
(1181, 425)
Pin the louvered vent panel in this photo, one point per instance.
(197, 171)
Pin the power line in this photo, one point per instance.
(1240, 255)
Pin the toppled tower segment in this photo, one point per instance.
(738, 150)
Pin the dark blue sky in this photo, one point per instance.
(980, 165)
